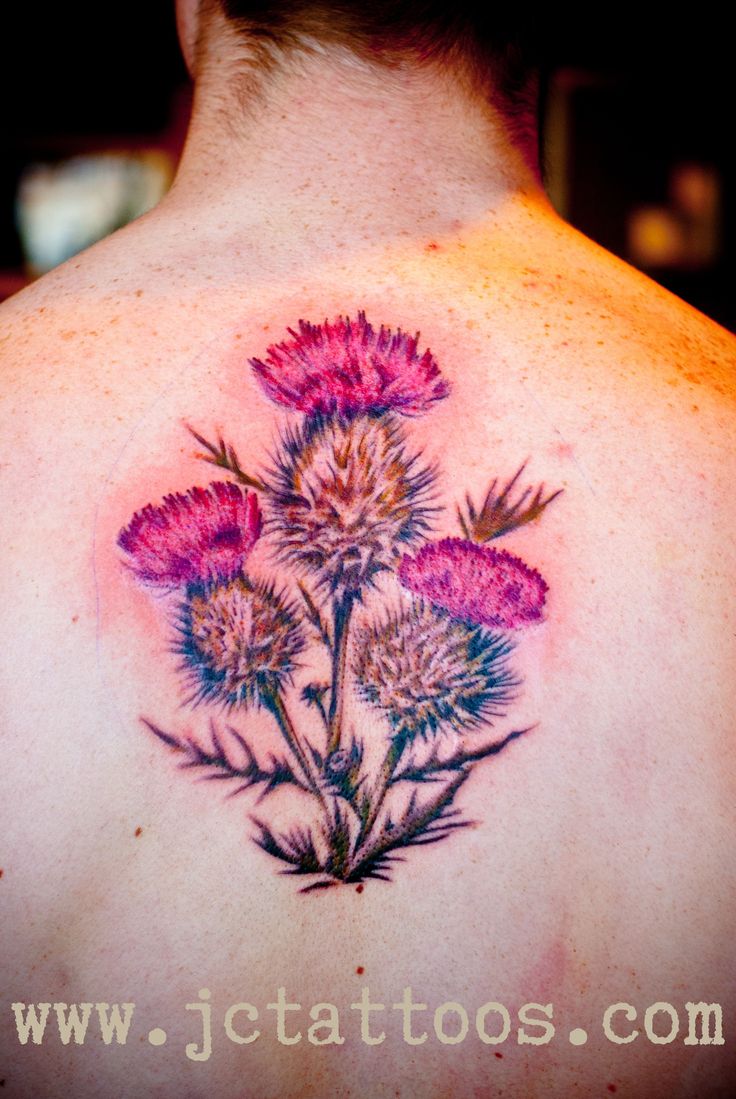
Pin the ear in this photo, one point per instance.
(187, 26)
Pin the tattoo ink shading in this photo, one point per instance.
(422, 630)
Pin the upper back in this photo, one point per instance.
(349, 596)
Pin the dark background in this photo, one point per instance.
(649, 93)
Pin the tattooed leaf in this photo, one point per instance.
(223, 456)
(419, 824)
(295, 848)
(314, 615)
(250, 773)
(436, 765)
(497, 515)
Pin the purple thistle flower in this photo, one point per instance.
(348, 367)
(487, 586)
(193, 537)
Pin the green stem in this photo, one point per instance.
(389, 765)
(290, 735)
(342, 612)
(286, 726)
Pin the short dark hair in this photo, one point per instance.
(500, 49)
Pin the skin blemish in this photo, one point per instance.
(563, 451)
(139, 293)
(499, 1055)
(611, 1087)
(431, 247)
(359, 888)
(360, 970)
(75, 618)
(138, 832)
(1, 873)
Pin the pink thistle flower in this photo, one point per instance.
(487, 586)
(348, 367)
(200, 535)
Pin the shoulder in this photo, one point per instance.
(609, 295)
(102, 331)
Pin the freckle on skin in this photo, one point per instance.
(138, 831)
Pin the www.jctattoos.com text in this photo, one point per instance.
(414, 1022)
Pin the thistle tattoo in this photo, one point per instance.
(418, 630)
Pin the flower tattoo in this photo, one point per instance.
(415, 629)
(348, 368)
(193, 536)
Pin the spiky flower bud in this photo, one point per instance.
(428, 672)
(239, 640)
(346, 499)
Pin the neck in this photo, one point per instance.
(337, 152)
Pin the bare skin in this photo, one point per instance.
(600, 869)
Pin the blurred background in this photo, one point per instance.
(636, 135)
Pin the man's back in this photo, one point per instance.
(584, 864)
(596, 870)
